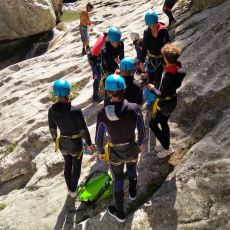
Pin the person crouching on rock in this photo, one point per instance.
(166, 100)
(71, 123)
(120, 119)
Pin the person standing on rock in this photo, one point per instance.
(155, 37)
(112, 53)
(84, 22)
(167, 9)
(94, 59)
(71, 123)
(133, 91)
(166, 100)
(120, 119)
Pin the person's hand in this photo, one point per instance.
(89, 148)
(140, 148)
(101, 157)
(117, 60)
(150, 86)
(142, 66)
(118, 71)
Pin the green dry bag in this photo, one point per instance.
(96, 187)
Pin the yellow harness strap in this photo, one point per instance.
(101, 82)
(58, 139)
(156, 107)
(79, 156)
(106, 149)
(152, 55)
(57, 143)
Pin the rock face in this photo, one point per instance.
(193, 194)
(22, 18)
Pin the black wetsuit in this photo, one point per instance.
(133, 91)
(154, 45)
(167, 9)
(120, 125)
(171, 81)
(108, 53)
(70, 121)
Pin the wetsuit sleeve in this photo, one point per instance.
(121, 54)
(145, 46)
(100, 130)
(52, 126)
(167, 38)
(155, 92)
(140, 97)
(104, 60)
(83, 128)
(140, 128)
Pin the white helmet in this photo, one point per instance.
(134, 35)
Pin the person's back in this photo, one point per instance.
(120, 119)
(71, 123)
(122, 127)
(133, 92)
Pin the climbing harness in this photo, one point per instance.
(111, 145)
(156, 107)
(157, 60)
(57, 145)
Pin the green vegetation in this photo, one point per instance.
(69, 15)
(75, 87)
(2, 206)
(199, 5)
(8, 148)
(152, 187)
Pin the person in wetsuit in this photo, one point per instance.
(94, 59)
(70, 121)
(133, 91)
(166, 98)
(155, 37)
(112, 52)
(120, 119)
(167, 9)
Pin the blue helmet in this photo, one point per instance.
(150, 96)
(61, 88)
(114, 34)
(151, 17)
(114, 82)
(127, 64)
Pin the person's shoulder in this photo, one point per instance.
(101, 113)
(75, 108)
(134, 107)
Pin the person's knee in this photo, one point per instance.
(118, 185)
